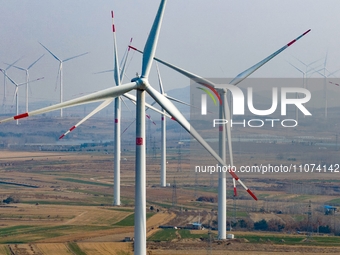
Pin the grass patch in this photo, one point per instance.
(85, 182)
(161, 204)
(5, 250)
(130, 220)
(90, 192)
(185, 233)
(293, 240)
(25, 234)
(262, 196)
(239, 214)
(170, 234)
(75, 249)
(121, 209)
(13, 230)
(47, 202)
(302, 198)
(299, 218)
(163, 235)
(335, 201)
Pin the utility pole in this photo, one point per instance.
(309, 221)
(174, 193)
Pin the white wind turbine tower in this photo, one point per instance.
(60, 72)
(163, 129)
(16, 92)
(4, 71)
(141, 84)
(27, 77)
(224, 113)
(325, 76)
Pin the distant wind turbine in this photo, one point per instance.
(4, 71)
(304, 77)
(16, 92)
(27, 77)
(60, 72)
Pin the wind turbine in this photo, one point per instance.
(304, 77)
(27, 77)
(60, 72)
(325, 88)
(224, 113)
(4, 71)
(142, 85)
(16, 92)
(118, 76)
(163, 130)
(307, 70)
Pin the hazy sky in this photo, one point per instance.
(217, 38)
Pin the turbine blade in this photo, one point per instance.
(122, 99)
(17, 67)
(243, 185)
(115, 53)
(106, 71)
(58, 76)
(75, 56)
(94, 97)
(13, 82)
(296, 68)
(332, 73)
(227, 117)
(15, 92)
(336, 84)
(226, 112)
(35, 62)
(161, 88)
(50, 52)
(9, 66)
(177, 100)
(128, 126)
(151, 43)
(99, 108)
(125, 61)
(148, 106)
(240, 77)
(173, 111)
(24, 83)
(190, 75)
(149, 117)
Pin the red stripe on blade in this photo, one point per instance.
(235, 192)
(233, 175)
(252, 194)
(131, 47)
(291, 42)
(116, 120)
(306, 32)
(173, 118)
(113, 28)
(112, 14)
(20, 116)
(72, 128)
(62, 136)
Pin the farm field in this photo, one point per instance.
(61, 201)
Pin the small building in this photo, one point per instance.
(196, 225)
(128, 239)
(329, 209)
